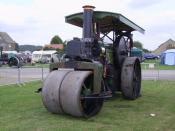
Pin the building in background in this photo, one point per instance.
(169, 44)
(7, 43)
(54, 47)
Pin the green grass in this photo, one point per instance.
(36, 65)
(28, 65)
(21, 110)
(157, 65)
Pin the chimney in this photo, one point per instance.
(87, 21)
(1, 49)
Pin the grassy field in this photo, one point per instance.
(21, 110)
(28, 65)
(37, 65)
(157, 65)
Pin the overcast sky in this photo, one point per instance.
(37, 21)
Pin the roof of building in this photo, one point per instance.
(55, 46)
(169, 41)
(6, 37)
(169, 44)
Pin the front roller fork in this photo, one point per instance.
(71, 92)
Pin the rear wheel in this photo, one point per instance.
(131, 78)
(122, 49)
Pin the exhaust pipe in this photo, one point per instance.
(1, 49)
(88, 22)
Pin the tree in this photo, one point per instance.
(146, 50)
(56, 40)
(138, 44)
(29, 47)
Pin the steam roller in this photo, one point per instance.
(92, 69)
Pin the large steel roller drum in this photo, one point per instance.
(71, 92)
(51, 89)
(131, 78)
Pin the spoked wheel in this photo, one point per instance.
(91, 103)
(131, 78)
(122, 49)
(71, 92)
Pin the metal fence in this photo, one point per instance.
(151, 71)
(13, 75)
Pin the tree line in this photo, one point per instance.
(57, 40)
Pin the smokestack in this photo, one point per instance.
(87, 21)
(1, 49)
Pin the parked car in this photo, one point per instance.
(43, 60)
(26, 57)
(42, 56)
(150, 56)
(136, 52)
